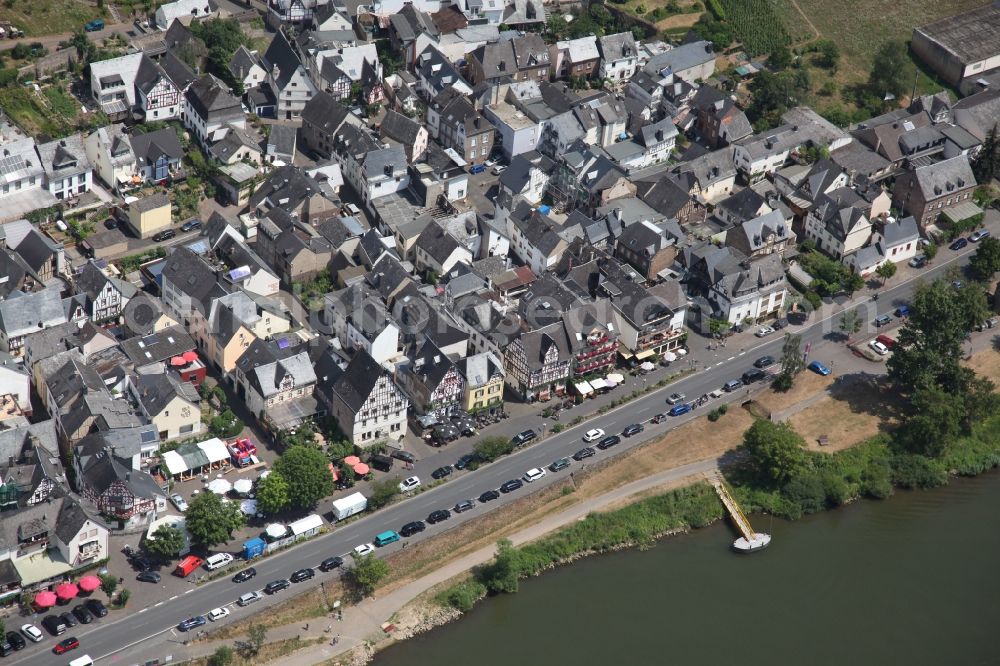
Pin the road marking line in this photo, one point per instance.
(189, 591)
(159, 603)
(173, 597)
(731, 358)
(719, 363)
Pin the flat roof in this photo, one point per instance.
(971, 36)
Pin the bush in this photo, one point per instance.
(491, 448)
(463, 596)
(714, 415)
(723, 408)
(383, 492)
(916, 471)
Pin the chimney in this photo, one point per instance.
(10, 462)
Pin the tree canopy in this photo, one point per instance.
(986, 261)
(368, 571)
(272, 493)
(776, 451)
(306, 470)
(986, 165)
(210, 521)
(167, 541)
(892, 70)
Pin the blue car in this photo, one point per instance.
(819, 368)
(191, 623)
(677, 410)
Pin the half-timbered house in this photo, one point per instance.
(362, 397)
(539, 362)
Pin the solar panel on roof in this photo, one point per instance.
(240, 273)
(11, 164)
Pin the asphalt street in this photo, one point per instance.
(133, 632)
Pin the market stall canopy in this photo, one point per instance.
(647, 366)
(616, 378)
(190, 356)
(599, 384)
(275, 530)
(669, 357)
(248, 507)
(583, 388)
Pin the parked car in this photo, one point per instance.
(82, 614)
(523, 437)
(351, 210)
(416, 527)
(331, 563)
(111, 223)
(16, 640)
(179, 502)
(302, 574)
(69, 620)
(593, 435)
(918, 262)
(633, 429)
(363, 549)
(66, 644)
(764, 331)
(477, 168)
(442, 472)
(675, 398)
(54, 625)
(464, 505)
(437, 516)
(249, 598)
(94, 26)
(903, 311)
(405, 456)
(245, 575)
(164, 235)
(886, 340)
(659, 418)
(879, 348)
(96, 607)
(148, 577)
(192, 623)
(608, 442)
(217, 614)
(510, 486)
(489, 496)
(559, 465)
(32, 633)
(276, 586)
(979, 235)
(819, 368)
(958, 244)
(409, 484)
(464, 461)
(753, 376)
(764, 362)
(533, 474)
(191, 225)
(582, 454)
(499, 169)
(732, 385)
(677, 410)
(882, 320)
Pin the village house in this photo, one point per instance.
(363, 399)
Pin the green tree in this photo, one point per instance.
(886, 271)
(223, 656)
(308, 475)
(930, 252)
(272, 494)
(850, 323)
(892, 70)
(852, 283)
(226, 425)
(167, 541)
(718, 326)
(828, 55)
(792, 360)
(776, 451)
(938, 418)
(489, 449)
(257, 636)
(366, 574)
(109, 584)
(502, 574)
(986, 164)
(780, 58)
(123, 597)
(383, 492)
(210, 521)
(986, 261)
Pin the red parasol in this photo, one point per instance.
(352, 460)
(89, 583)
(177, 361)
(190, 356)
(67, 591)
(361, 469)
(45, 599)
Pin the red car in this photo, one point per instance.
(886, 340)
(66, 645)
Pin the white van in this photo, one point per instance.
(82, 661)
(218, 561)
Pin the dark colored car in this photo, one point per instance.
(164, 235)
(83, 614)
(489, 496)
(677, 410)
(958, 244)
(16, 640)
(192, 623)
(764, 361)
(659, 418)
(608, 442)
(276, 586)
(405, 456)
(191, 225)
(438, 516)
(96, 607)
(6, 649)
(752, 376)
(148, 577)
(584, 453)
(54, 625)
(331, 563)
(522, 438)
(65, 645)
(464, 461)
(409, 529)
(245, 575)
(882, 320)
(302, 574)
(110, 223)
(464, 505)
(140, 563)
(511, 486)
(559, 465)
(69, 620)
(442, 472)
(633, 429)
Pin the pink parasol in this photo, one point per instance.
(352, 460)
(67, 591)
(45, 599)
(361, 469)
(89, 583)
(190, 356)
(177, 361)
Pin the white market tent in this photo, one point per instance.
(306, 526)
(175, 464)
(194, 459)
(215, 450)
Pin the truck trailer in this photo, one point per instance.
(349, 506)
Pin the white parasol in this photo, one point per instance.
(220, 486)
(243, 486)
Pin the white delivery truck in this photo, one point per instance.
(348, 506)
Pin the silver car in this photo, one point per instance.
(179, 502)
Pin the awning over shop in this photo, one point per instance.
(583, 388)
(598, 384)
(624, 352)
(646, 353)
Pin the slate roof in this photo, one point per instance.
(157, 347)
(103, 469)
(681, 57)
(280, 54)
(150, 146)
(757, 230)
(265, 363)
(243, 61)
(27, 313)
(355, 384)
(409, 23)
(743, 205)
(325, 112)
(619, 46)
(904, 231)
(437, 243)
(142, 312)
(207, 96)
(936, 180)
(157, 391)
(400, 128)
(64, 157)
(189, 273)
(281, 141)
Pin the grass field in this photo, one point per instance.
(46, 17)
(52, 112)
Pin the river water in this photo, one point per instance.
(910, 580)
